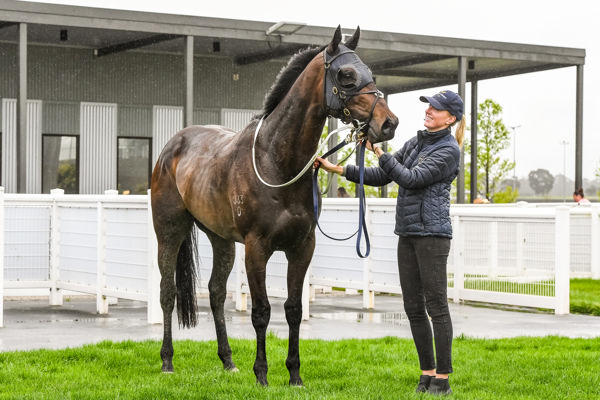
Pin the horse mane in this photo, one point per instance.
(286, 78)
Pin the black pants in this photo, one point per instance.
(422, 266)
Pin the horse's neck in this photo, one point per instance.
(297, 122)
(294, 136)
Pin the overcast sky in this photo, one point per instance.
(542, 103)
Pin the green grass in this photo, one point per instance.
(585, 296)
(520, 368)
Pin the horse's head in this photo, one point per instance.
(350, 91)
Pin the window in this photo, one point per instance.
(133, 165)
(60, 163)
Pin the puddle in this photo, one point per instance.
(392, 318)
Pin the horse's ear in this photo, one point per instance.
(335, 42)
(353, 41)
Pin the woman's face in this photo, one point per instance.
(436, 120)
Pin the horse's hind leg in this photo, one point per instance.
(223, 259)
(172, 226)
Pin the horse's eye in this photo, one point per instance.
(347, 77)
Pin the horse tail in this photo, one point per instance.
(185, 280)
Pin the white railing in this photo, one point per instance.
(104, 245)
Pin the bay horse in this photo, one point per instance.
(205, 177)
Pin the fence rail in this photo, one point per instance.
(104, 245)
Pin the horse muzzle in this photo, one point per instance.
(382, 131)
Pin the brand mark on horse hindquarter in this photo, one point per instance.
(238, 200)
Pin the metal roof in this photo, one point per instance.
(400, 62)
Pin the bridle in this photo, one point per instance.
(337, 95)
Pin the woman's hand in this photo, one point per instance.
(327, 166)
(377, 150)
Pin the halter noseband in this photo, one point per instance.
(337, 97)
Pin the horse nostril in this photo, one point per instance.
(389, 127)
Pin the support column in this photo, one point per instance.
(188, 109)
(579, 129)
(462, 81)
(21, 139)
(474, 110)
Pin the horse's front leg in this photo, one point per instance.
(223, 259)
(298, 262)
(256, 262)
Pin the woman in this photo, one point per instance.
(424, 170)
(578, 197)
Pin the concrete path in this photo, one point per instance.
(33, 324)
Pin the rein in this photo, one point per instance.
(362, 226)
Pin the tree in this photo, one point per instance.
(492, 138)
(541, 181)
(67, 177)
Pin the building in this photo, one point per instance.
(90, 96)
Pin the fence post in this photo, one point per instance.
(459, 260)
(520, 243)
(493, 254)
(154, 312)
(56, 298)
(241, 298)
(595, 247)
(562, 247)
(101, 300)
(368, 294)
(1, 257)
(306, 296)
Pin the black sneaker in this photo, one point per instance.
(439, 386)
(424, 382)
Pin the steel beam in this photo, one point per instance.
(134, 44)
(407, 61)
(5, 24)
(261, 56)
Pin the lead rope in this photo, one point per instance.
(362, 226)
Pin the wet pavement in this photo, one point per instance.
(33, 324)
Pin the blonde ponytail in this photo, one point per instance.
(460, 130)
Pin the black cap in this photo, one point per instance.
(446, 100)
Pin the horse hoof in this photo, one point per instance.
(297, 383)
(230, 366)
(167, 368)
(262, 382)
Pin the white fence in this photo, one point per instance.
(105, 246)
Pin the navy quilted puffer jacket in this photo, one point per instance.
(424, 170)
